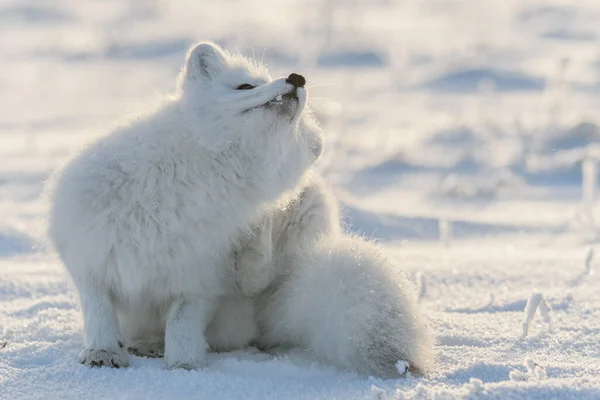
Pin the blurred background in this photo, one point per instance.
(442, 117)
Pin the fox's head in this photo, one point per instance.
(234, 102)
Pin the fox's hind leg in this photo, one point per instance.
(147, 348)
(234, 325)
(185, 343)
(143, 327)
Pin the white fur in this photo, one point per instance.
(145, 218)
(254, 258)
(336, 296)
(348, 305)
(234, 326)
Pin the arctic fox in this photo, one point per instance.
(335, 295)
(144, 219)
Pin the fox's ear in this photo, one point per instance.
(204, 60)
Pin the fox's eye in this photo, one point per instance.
(245, 86)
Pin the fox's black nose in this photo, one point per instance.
(296, 80)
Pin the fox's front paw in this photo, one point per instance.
(190, 358)
(115, 358)
(188, 363)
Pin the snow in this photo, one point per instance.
(463, 135)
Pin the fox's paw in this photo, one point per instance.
(114, 358)
(147, 349)
(186, 362)
(179, 359)
(187, 366)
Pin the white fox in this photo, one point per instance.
(145, 218)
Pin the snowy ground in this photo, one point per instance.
(465, 121)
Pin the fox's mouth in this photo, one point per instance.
(281, 100)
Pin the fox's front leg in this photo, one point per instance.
(103, 348)
(254, 266)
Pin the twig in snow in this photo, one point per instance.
(534, 370)
(588, 268)
(588, 261)
(537, 301)
(445, 231)
(585, 220)
(3, 344)
(422, 285)
(402, 367)
(516, 375)
(588, 183)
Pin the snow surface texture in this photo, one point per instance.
(465, 121)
